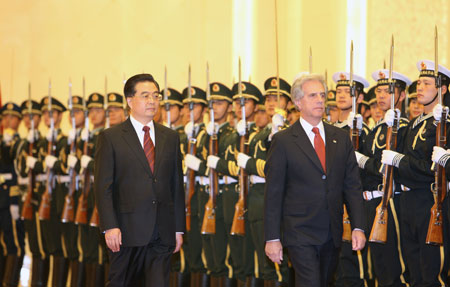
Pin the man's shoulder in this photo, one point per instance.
(166, 130)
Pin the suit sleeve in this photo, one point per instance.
(178, 190)
(275, 170)
(353, 189)
(103, 184)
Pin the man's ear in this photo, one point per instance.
(360, 98)
(444, 89)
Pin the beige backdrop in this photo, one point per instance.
(55, 39)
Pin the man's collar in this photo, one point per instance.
(138, 126)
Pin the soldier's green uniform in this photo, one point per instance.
(11, 228)
(258, 147)
(353, 268)
(194, 253)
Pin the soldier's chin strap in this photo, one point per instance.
(431, 100)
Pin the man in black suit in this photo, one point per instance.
(311, 171)
(139, 190)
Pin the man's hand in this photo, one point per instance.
(274, 250)
(179, 239)
(358, 240)
(113, 238)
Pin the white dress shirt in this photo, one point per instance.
(308, 130)
(138, 127)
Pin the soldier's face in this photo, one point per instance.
(198, 113)
(384, 97)
(175, 113)
(185, 113)
(261, 119)
(221, 109)
(334, 114)
(78, 114)
(415, 108)
(116, 115)
(271, 104)
(376, 112)
(14, 122)
(343, 98)
(312, 104)
(250, 108)
(27, 122)
(426, 90)
(144, 104)
(57, 116)
(97, 116)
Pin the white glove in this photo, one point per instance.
(389, 117)
(189, 129)
(31, 136)
(192, 162)
(14, 210)
(440, 155)
(391, 157)
(7, 138)
(277, 122)
(211, 128)
(31, 162)
(85, 160)
(85, 135)
(71, 136)
(72, 161)
(437, 112)
(50, 161)
(241, 128)
(242, 159)
(361, 159)
(359, 120)
(50, 136)
(212, 161)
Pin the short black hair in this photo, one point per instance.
(130, 86)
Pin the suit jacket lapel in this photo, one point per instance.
(302, 140)
(130, 136)
(160, 139)
(330, 146)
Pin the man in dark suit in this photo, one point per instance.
(311, 171)
(139, 190)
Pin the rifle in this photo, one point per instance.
(238, 226)
(192, 149)
(209, 219)
(354, 134)
(379, 228)
(81, 214)
(44, 208)
(439, 187)
(27, 208)
(68, 209)
(166, 100)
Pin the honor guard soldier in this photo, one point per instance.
(261, 117)
(116, 110)
(254, 163)
(195, 105)
(54, 152)
(426, 262)
(387, 260)
(414, 107)
(332, 111)
(11, 226)
(352, 267)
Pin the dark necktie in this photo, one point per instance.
(319, 146)
(149, 148)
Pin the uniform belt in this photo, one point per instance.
(5, 176)
(227, 180)
(202, 180)
(41, 177)
(257, 179)
(22, 180)
(63, 178)
(405, 188)
(369, 195)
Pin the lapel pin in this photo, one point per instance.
(334, 141)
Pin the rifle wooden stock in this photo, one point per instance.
(378, 233)
(347, 228)
(434, 234)
(68, 213)
(190, 184)
(94, 222)
(238, 226)
(44, 208)
(209, 219)
(27, 208)
(81, 216)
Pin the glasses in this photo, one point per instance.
(154, 96)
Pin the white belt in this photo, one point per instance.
(5, 176)
(227, 180)
(257, 179)
(203, 180)
(63, 178)
(41, 177)
(405, 188)
(369, 195)
(22, 180)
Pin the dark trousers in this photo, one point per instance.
(314, 265)
(149, 263)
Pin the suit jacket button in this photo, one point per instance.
(154, 201)
(324, 177)
(154, 180)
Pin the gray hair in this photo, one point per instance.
(297, 87)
